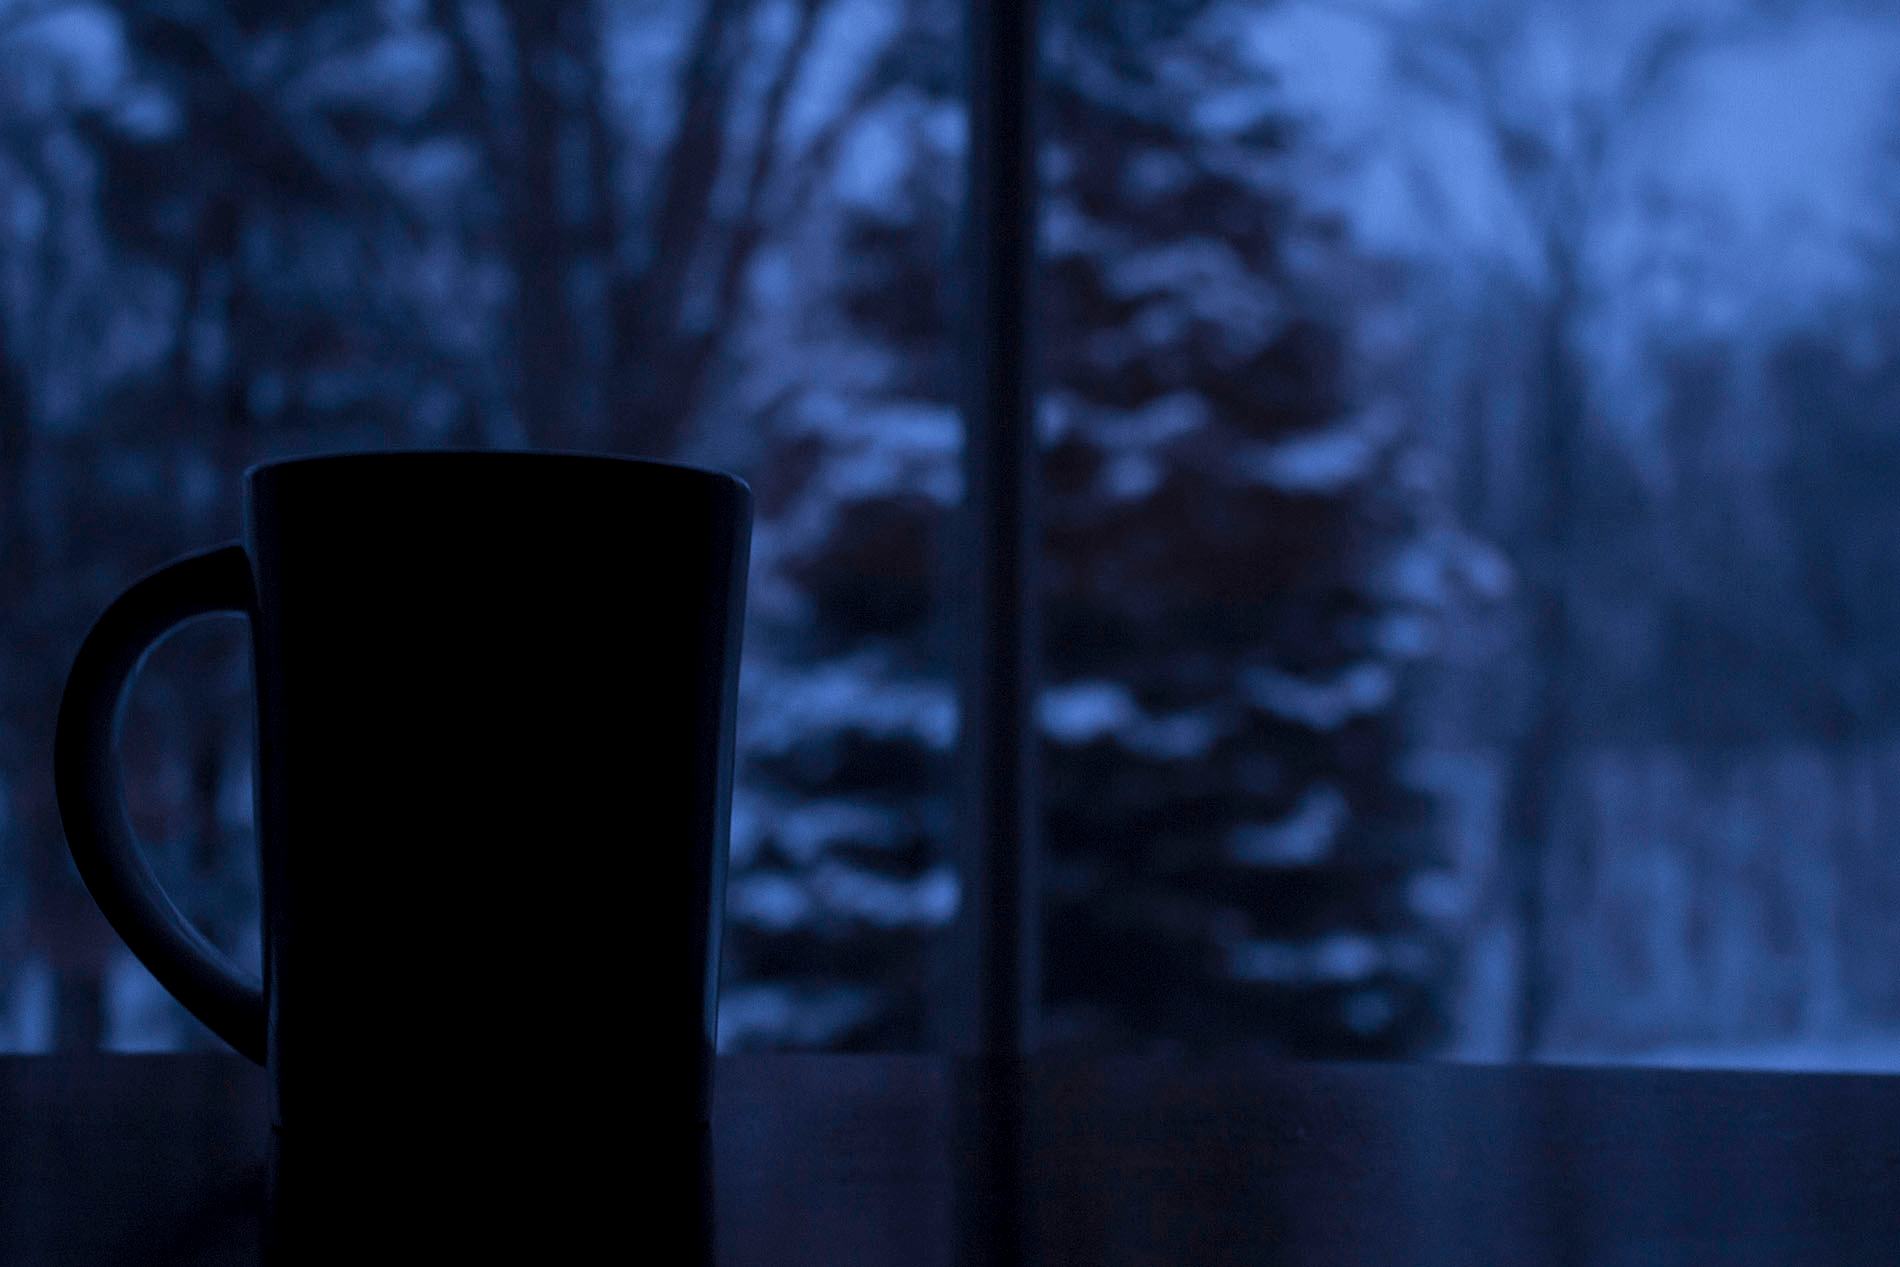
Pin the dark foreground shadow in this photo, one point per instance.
(912, 1160)
(648, 1200)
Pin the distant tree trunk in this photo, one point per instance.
(25, 821)
(62, 921)
(1546, 533)
(613, 348)
(652, 374)
(79, 995)
(556, 112)
(208, 855)
(669, 313)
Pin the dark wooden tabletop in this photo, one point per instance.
(1177, 1159)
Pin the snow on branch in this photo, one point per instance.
(1326, 461)
(1360, 691)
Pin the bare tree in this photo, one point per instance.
(1555, 138)
(655, 295)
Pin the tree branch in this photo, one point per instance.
(750, 226)
(691, 167)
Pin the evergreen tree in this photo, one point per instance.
(841, 873)
(1233, 853)
(1232, 564)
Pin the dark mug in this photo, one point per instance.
(495, 701)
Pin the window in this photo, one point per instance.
(1460, 515)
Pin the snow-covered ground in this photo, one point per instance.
(1866, 1053)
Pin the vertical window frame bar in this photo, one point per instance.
(994, 986)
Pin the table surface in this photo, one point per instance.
(1230, 1157)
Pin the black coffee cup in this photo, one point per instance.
(495, 701)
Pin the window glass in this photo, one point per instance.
(1646, 345)
(1464, 431)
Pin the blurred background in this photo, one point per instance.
(1471, 550)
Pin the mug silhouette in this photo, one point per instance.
(494, 703)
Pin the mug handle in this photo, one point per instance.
(92, 805)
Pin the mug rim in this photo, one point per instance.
(377, 457)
